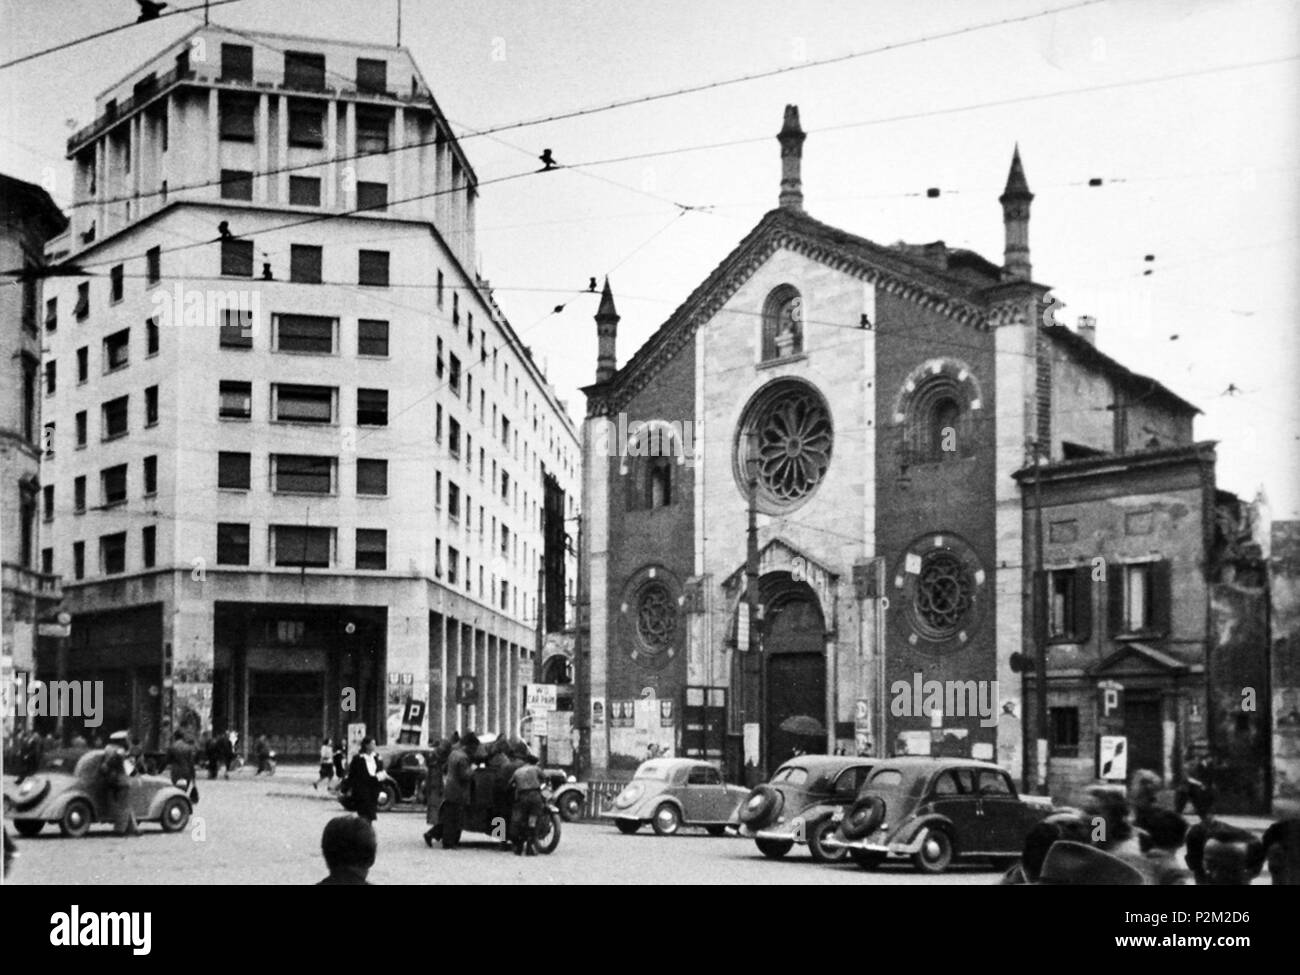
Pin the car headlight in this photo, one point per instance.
(629, 795)
(571, 778)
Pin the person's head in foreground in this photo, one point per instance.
(349, 846)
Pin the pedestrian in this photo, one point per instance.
(1197, 788)
(1112, 829)
(262, 749)
(1143, 793)
(180, 761)
(363, 779)
(31, 755)
(226, 753)
(326, 764)
(116, 779)
(1077, 864)
(349, 845)
(340, 760)
(438, 756)
(1220, 855)
(1282, 851)
(528, 807)
(135, 764)
(1039, 839)
(1164, 834)
(455, 792)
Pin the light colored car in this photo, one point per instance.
(79, 800)
(669, 793)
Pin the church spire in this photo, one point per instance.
(606, 334)
(1015, 200)
(791, 138)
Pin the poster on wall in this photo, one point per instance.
(1112, 758)
(597, 713)
(913, 743)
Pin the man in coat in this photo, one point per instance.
(180, 760)
(117, 784)
(364, 775)
(455, 792)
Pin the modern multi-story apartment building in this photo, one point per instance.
(300, 463)
(28, 217)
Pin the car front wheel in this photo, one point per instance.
(388, 796)
(571, 807)
(627, 826)
(820, 853)
(774, 849)
(175, 814)
(667, 820)
(28, 827)
(77, 817)
(935, 853)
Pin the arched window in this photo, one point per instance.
(659, 489)
(942, 433)
(652, 452)
(782, 323)
(935, 417)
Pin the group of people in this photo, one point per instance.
(1120, 837)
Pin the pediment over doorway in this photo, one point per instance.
(1137, 659)
(779, 555)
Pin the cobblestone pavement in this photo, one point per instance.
(267, 831)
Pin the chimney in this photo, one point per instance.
(791, 138)
(1088, 329)
(1015, 200)
(606, 333)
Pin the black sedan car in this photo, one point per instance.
(797, 806)
(407, 767)
(936, 810)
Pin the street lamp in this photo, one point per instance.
(751, 596)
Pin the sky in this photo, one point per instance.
(1187, 110)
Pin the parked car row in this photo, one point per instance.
(931, 811)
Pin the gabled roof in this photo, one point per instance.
(21, 202)
(955, 292)
(1085, 353)
(1145, 655)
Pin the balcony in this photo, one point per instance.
(259, 81)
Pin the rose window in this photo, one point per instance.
(656, 617)
(789, 432)
(944, 593)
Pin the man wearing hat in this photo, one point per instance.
(117, 784)
(1072, 863)
(455, 793)
(528, 808)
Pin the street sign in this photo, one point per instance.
(60, 630)
(1113, 758)
(544, 696)
(467, 689)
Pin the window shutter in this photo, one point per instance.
(1115, 598)
(1083, 603)
(1161, 597)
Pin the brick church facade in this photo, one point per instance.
(800, 497)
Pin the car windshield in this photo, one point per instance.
(892, 782)
(658, 771)
(794, 775)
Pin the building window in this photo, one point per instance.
(440, 287)
(305, 264)
(238, 118)
(453, 381)
(373, 268)
(304, 404)
(453, 563)
(31, 397)
(1064, 731)
(372, 476)
(236, 400)
(453, 501)
(47, 502)
(236, 62)
(83, 364)
(372, 132)
(112, 482)
(789, 425)
(150, 475)
(151, 337)
(438, 366)
(306, 125)
(304, 333)
(302, 474)
(117, 350)
(232, 544)
(437, 423)
(115, 415)
(148, 545)
(153, 265)
(372, 196)
(81, 310)
(372, 407)
(372, 548)
(372, 337)
(1069, 604)
(79, 495)
(150, 406)
(660, 482)
(455, 309)
(47, 561)
(782, 323)
(453, 436)
(304, 71)
(29, 297)
(1140, 599)
(372, 76)
(236, 329)
(234, 470)
(236, 184)
(304, 191)
(51, 314)
(79, 560)
(302, 546)
(81, 428)
(944, 595)
(51, 377)
(237, 258)
(115, 283)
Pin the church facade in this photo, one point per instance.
(802, 528)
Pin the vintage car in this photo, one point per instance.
(488, 811)
(935, 811)
(669, 793)
(798, 803)
(78, 800)
(568, 794)
(408, 770)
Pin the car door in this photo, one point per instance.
(952, 795)
(848, 783)
(707, 795)
(1004, 818)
